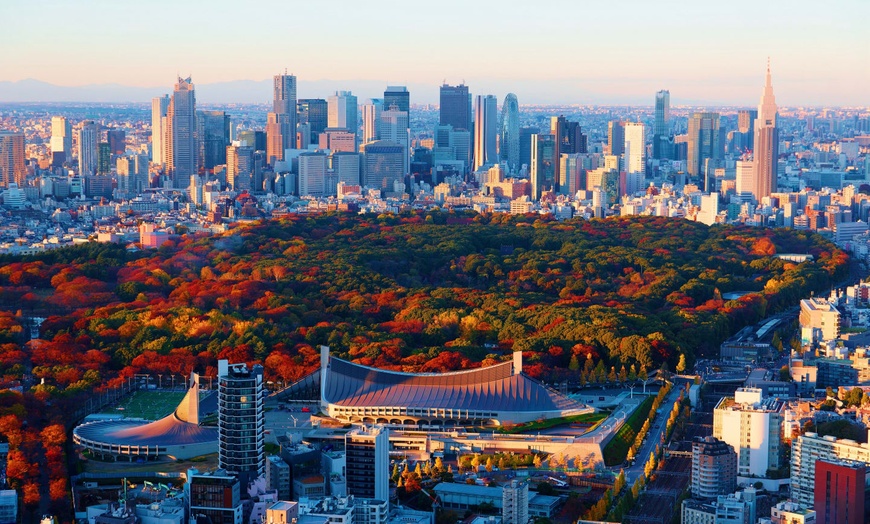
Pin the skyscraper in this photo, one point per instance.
(394, 128)
(542, 169)
(87, 136)
(315, 113)
(714, 468)
(213, 137)
(455, 108)
(343, 112)
(635, 147)
(616, 137)
(284, 99)
(766, 152)
(704, 141)
(371, 116)
(280, 135)
(182, 152)
(662, 127)
(383, 165)
(61, 140)
(117, 139)
(509, 145)
(12, 170)
(241, 420)
(485, 123)
(744, 137)
(526, 145)
(159, 106)
(397, 96)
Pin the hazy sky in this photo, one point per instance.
(546, 51)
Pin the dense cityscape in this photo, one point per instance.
(485, 310)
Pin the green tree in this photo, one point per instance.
(574, 364)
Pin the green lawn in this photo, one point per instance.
(587, 418)
(616, 450)
(150, 405)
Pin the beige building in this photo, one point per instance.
(752, 426)
(819, 320)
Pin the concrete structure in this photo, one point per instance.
(87, 137)
(282, 512)
(735, 508)
(61, 140)
(839, 491)
(278, 477)
(792, 513)
(704, 142)
(542, 170)
(315, 113)
(384, 165)
(483, 396)
(509, 143)
(635, 147)
(312, 174)
(213, 137)
(346, 167)
(367, 450)
(819, 320)
(515, 502)
(371, 120)
(394, 127)
(241, 420)
(714, 468)
(662, 126)
(343, 111)
(752, 426)
(809, 448)
(177, 435)
(8, 506)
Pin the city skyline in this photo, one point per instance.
(703, 56)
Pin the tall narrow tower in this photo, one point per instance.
(241, 420)
(662, 128)
(281, 122)
(159, 106)
(485, 122)
(509, 145)
(182, 153)
(766, 142)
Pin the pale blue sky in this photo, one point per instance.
(544, 50)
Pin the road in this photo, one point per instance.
(654, 436)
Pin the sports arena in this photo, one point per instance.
(176, 436)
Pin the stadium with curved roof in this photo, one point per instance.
(489, 396)
(177, 435)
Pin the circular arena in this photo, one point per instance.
(177, 435)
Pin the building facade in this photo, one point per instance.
(241, 420)
(368, 452)
(12, 168)
(714, 468)
(752, 426)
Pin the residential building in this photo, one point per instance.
(515, 502)
(809, 448)
(839, 491)
(87, 138)
(714, 468)
(241, 420)
(791, 513)
(61, 140)
(367, 449)
(819, 320)
(752, 426)
(278, 477)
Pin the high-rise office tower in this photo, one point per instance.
(368, 449)
(485, 124)
(455, 109)
(509, 144)
(745, 179)
(284, 99)
(662, 127)
(346, 167)
(213, 137)
(397, 96)
(241, 420)
(315, 113)
(240, 166)
(766, 152)
(395, 128)
(704, 141)
(87, 137)
(280, 135)
(12, 170)
(570, 140)
(616, 137)
(635, 147)
(542, 169)
(159, 106)
(744, 137)
(312, 174)
(104, 158)
(839, 491)
(371, 116)
(61, 140)
(182, 154)
(526, 145)
(383, 165)
(117, 140)
(343, 112)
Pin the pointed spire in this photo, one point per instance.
(767, 106)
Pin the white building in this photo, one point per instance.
(159, 105)
(515, 503)
(371, 117)
(485, 131)
(792, 513)
(87, 138)
(810, 447)
(342, 111)
(745, 179)
(752, 426)
(819, 320)
(635, 148)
